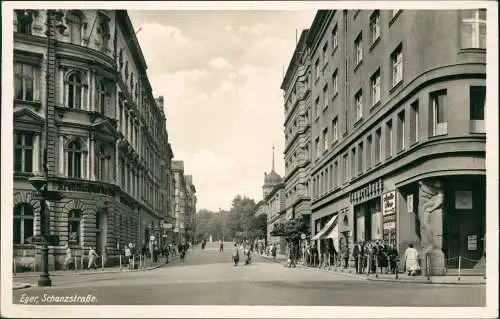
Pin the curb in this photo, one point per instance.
(21, 286)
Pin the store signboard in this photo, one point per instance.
(472, 242)
(390, 225)
(409, 203)
(389, 203)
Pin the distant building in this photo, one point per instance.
(190, 208)
(397, 125)
(179, 199)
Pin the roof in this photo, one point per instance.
(294, 63)
(272, 178)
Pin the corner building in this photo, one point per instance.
(82, 72)
(398, 107)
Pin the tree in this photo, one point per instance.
(259, 227)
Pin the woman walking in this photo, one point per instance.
(411, 260)
(69, 259)
(236, 254)
(92, 258)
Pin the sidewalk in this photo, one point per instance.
(402, 278)
(107, 270)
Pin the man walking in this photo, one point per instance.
(236, 254)
(221, 246)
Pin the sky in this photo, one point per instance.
(220, 74)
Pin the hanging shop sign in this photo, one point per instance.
(472, 242)
(389, 203)
(463, 200)
(409, 203)
(367, 192)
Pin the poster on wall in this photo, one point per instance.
(472, 242)
(389, 203)
(463, 200)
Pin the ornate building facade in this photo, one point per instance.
(190, 210)
(398, 130)
(83, 105)
(179, 199)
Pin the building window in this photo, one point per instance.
(397, 65)
(378, 145)
(345, 169)
(375, 81)
(388, 139)
(24, 82)
(401, 131)
(325, 94)
(325, 57)
(24, 226)
(368, 152)
(414, 122)
(120, 59)
(335, 83)
(438, 113)
(336, 181)
(101, 96)
(316, 105)
(316, 67)
(103, 32)
(101, 164)
(325, 140)
(353, 162)
(24, 21)
(375, 26)
(318, 149)
(74, 160)
(358, 104)
(74, 231)
(23, 152)
(335, 38)
(74, 19)
(474, 29)
(358, 45)
(335, 129)
(477, 102)
(75, 91)
(360, 158)
(394, 13)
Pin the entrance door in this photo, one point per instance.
(100, 225)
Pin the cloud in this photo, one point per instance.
(220, 64)
(257, 29)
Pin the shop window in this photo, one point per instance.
(23, 152)
(477, 104)
(474, 29)
(74, 160)
(74, 227)
(24, 226)
(25, 82)
(438, 111)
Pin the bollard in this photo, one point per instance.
(459, 266)
(102, 262)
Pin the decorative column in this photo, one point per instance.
(61, 85)
(117, 163)
(92, 157)
(89, 90)
(92, 87)
(36, 154)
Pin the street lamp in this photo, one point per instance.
(41, 185)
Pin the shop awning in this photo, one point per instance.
(334, 235)
(325, 229)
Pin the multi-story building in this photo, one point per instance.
(85, 115)
(297, 95)
(179, 199)
(398, 129)
(190, 210)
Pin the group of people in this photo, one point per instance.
(370, 255)
(243, 247)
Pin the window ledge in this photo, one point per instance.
(317, 118)
(335, 142)
(374, 43)
(412, 144)
(358, 121)
(472, 50)
(396, 86)
(334, 50)
(388, 157)
(393, 19)
(374, 106)
(36, 104)
(358, 65)
(400, 151)
(335, 95)
(438, 135)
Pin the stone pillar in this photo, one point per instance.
(89, 90)
(36, 154)
(92, 86)
(61, 86)
(92, 157)
(62, 158)
(430, 213)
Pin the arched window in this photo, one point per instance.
(74, 231)
(101, 96)
(101, 161)
(24, 226)
(74, 160)
(75, 91)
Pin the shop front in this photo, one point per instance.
(367, 212)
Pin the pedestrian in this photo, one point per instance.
(68, 261)
(273, 251)
(92, 258)
(236, 254)
(411, 260)
(393, 259)
(182, 253)
(357, 252)
(221, 246)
